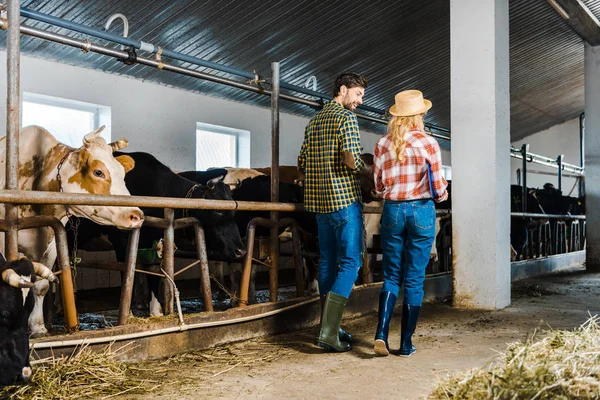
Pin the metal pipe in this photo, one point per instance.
(582, 151)
(519, 176)
(181, 328)
(129, 276)
(247, 268)
(273, 271)
(42, 197)
(204, 272)
(524, 150)
(543, 160)
(559, 162)
(182, 57)
(169, 259)
(379, 210)
(62, 248)
(184, 71)
(13, 124)
(548, 216)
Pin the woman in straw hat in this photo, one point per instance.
(407, 171)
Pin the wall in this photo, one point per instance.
(159, 119)
(560, 139)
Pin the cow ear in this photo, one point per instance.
(127, 162)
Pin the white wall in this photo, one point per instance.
(560, 139)
(159, 119)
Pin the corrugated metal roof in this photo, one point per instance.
(397, 44)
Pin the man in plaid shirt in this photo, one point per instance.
(330, 160)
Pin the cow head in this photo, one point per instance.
(93, 169)
(223, 240)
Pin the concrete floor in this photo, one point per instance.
(447, 339)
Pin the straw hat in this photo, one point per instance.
(409, 102)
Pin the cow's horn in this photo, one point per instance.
(238, 184)
(119, 144)
(89, 138)
(15, 280)
(213, 182)
(43, 271)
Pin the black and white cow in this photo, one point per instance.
(16, 304)
(258, 188)
(150, 177)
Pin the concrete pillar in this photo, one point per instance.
(480, 114)
(592, 156)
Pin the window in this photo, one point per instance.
(67, 120)
(219, 146)
(447, 172)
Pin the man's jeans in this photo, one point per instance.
(341, 246)
(407, 233)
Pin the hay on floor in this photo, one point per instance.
(82, 375)
(561, 365)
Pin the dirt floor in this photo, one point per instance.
(292, 367)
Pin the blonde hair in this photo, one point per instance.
(397, 128)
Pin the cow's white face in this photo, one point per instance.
(93, 169)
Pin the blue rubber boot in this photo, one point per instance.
(410, 315)
(387, 302)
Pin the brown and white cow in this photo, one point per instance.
(88, 169)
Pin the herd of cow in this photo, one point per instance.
(99, 168)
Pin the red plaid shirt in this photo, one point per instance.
(409, 180)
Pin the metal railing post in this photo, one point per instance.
(559, 162)
(273, 281)
(524, 150)
(13, 123)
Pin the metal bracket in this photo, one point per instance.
(131, 57)
(258, 80)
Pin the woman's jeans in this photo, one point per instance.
(341, 246)
(407, 234)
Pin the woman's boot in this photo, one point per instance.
(410, 315)
(387, 302)
(330, 323)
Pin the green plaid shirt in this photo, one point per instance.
(330, 185)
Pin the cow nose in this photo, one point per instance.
(239, 253)
(136, 218)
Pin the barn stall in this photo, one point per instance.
(260, 313)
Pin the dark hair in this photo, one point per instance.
(350, 80)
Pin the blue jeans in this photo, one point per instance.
(407, 234)
(341, 246)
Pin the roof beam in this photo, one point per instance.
(580, 18)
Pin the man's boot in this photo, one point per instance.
(410, 315)
(330, 323)
(387, 302)
(344, 336)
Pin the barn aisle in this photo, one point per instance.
(448, 340)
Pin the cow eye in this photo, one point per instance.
(219, 213)
(98, 173)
